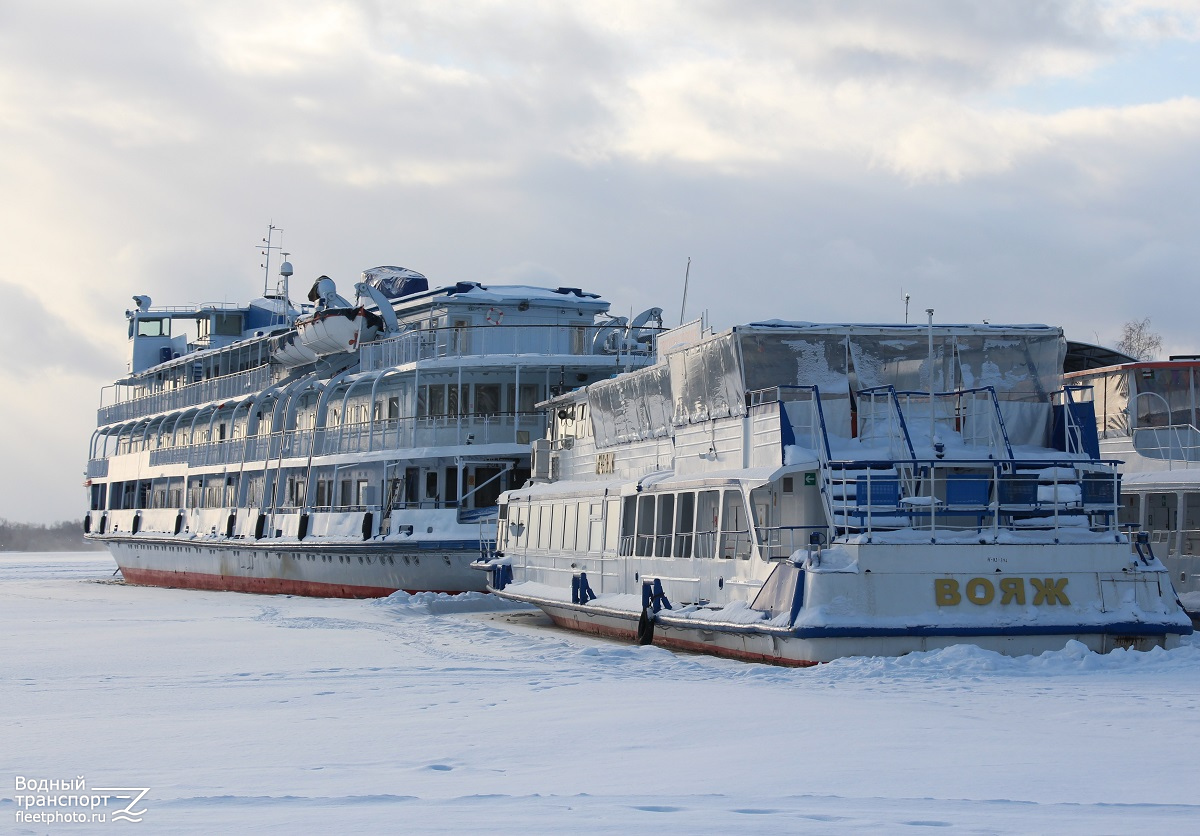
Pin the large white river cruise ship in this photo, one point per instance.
(1147, 414)
(348, 448)
(793, 493)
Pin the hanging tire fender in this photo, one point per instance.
(645, 628)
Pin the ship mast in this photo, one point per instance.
(265, 251)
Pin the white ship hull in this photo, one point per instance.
(318, 569)
(881, 603)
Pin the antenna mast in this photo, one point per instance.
(686, 274)
(267, 246)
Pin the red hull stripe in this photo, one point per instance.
(269, 586)
(679, 644)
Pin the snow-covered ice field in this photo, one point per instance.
(275, 714)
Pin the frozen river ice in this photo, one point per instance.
(277, 714)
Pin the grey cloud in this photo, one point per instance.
(1088, 226)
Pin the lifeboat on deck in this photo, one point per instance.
(336, 326)
(287, 350)
(337, 330)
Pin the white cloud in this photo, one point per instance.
(814, 158)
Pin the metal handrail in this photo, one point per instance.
(238, 384)
(998, 437)
(397, 434)
(921, 499)
(416, 345)
(1188, 453)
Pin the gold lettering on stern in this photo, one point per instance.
(946, 590)
(1049, 592)
(980, 591)
(1012, 591)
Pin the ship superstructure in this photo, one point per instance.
(343, 448)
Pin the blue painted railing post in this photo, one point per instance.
(660, 597)
(797, 597)
(585, 589)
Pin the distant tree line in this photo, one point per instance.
(31, 537)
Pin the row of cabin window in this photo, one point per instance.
(447, 399)
(221, 492)
(708, 523)
(702, 524)
(435, 400)
(568, 526)
(438, 399)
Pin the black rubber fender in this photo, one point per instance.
(645, 629)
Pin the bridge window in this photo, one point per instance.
(227, 324)
(154, 327)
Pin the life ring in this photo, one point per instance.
(495, 316)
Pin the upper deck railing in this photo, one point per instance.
(505, 340)
(194, 394)
(408, 347)
(1178, 445)
(372, 436)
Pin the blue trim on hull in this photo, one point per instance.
(1121, 628)
(662, 619)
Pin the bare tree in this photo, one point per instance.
(1138, 341)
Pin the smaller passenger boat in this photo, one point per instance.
(795, 493)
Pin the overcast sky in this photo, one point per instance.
(1012, 161)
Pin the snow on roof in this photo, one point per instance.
(917, 327)
(518, 293)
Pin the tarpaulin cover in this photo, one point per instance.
(710, 379)
(696, 383)
(1110, 392)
